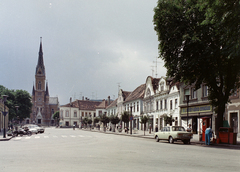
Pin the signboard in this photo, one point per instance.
(131, 118)
(197, 109)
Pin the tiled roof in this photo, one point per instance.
(83, 104)
(114, 103)
(137, 93)
(125, 94)
(103, 104)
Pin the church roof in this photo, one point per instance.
(40, 64)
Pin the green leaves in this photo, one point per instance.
(19, 98)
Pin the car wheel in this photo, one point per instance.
(171, 140)
(157, 139)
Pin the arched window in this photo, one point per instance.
(148, 92)
(39, 85)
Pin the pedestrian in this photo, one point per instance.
(73, 126)
(208, 135)
(189, 129)
(156, 128)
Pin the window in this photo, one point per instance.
(165, 105)
(85, 114)
(194, 93)
(82, 114)
(171, 104)
(134, 107)
(67, 113)
(52, 111)
(156, 105)
(161, 107)
(161, 86)
(137, 106)
(75, 114)
(94, 114)
(186, 92)
(176, 103)
(67, 123)
(205, 91)
(39, 85)
(61, 114)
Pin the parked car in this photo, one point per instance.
(40, 129)
(31, 128)
(173, 133)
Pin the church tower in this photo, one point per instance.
(44, 106)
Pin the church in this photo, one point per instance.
(44, 106)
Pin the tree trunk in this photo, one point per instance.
(219, 122)
(144, 128)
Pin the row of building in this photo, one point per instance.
(158, 98)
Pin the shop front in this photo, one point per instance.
(194, 116)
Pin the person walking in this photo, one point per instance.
(208, 135)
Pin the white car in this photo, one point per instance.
(173, 133)
(31, 128)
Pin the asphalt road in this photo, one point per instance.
(76, 150)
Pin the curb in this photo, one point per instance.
(200, 143)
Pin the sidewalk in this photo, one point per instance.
(140, 133)
(4, 139)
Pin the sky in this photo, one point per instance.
(91, 48)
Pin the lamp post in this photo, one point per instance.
(131, 118)
(187, 98)
(4, 114)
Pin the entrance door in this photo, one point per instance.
(234, 122)
(194, 125)
(39, 121)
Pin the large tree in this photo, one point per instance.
(199, 43)
(114, 119)
(19, 98)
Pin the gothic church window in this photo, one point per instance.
(39, 85)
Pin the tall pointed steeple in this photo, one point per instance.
(33, 90)
(40, 69)
(47, 92)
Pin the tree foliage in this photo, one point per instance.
(144, 119)
(104, 119)
(114, 119)
(96, 120)
(56, 115)
(125, 117)
(19, 98)
(199, 43)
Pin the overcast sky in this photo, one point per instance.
(89, 46)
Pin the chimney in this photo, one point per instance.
(82, 97)
(108, 100)
(70, 101)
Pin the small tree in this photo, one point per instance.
(56, 117)
(144, 120)
(125, 117)
(85, 121)
(96, 120)
(104, 119)
(168, 119)
(114, 120)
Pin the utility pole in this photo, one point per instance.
(119, 86)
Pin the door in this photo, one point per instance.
(234, 122)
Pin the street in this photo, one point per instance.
(79, 150)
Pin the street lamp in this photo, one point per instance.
(131, 118)
(4, 114)
(187, 98)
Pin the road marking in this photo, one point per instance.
(28, 137)
(46, 137)
(37, 137)
(72, 136)
(18, 138)
(80, 135)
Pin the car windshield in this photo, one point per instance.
(178, 129)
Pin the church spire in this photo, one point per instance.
(40, 69)
(47, 92)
